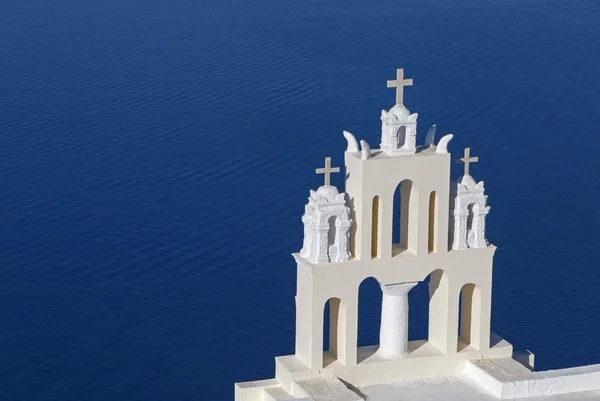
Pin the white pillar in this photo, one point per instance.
(322, 244)
(477, 238)
(460, 229)
(306, 243)
(393, 334)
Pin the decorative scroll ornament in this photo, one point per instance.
(366, 150)
(352, 144)
(442, 146)
(430, 138)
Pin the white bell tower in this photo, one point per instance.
(398, 125)
(326, 222)
(469, 208)
(348, 237)
(437, 244)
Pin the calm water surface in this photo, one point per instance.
(155, 158)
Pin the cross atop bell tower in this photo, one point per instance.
(327, 170)
(399, 83)
(398, 125)
(467, 160)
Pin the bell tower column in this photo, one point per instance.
(460, 229)
(478, 237)
(322, 237)
(393, 334)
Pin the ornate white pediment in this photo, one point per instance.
(326, 226)
(398, 130)
(469, 207)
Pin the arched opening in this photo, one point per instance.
(469, 316)
(405, 218)
(418, 318)
(369, 317)
(331, 237)
(334, 330)
(401, 132)
(426, 306)
(375, 227)
(469, 221)
(432, 237)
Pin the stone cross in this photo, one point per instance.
(467, 159)
(399, 83)
(327, 170)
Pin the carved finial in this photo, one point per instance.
(352, 144)
(467, 159)
(366, 150)
(442, 146)
(430, 138)
(399, 83)
(327, 170)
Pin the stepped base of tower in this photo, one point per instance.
(423, 361)
(425, 375)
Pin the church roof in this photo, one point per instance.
(468, 181)
(329, 192)
(400, 112)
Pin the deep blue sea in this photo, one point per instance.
(156, 156)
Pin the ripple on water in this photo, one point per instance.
(156, 158)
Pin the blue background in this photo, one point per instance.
(155, 158)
